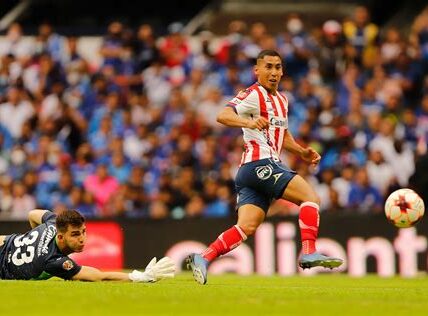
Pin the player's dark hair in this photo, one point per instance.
(68, 217)
(268, 52)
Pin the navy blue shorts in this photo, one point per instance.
(260, 182)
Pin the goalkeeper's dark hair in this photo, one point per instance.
(68, 218)
(268, 52)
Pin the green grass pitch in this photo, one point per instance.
(223, 295)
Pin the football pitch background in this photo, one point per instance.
(332, 294)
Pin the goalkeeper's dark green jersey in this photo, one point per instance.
(35, 254)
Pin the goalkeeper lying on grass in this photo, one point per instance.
(42, 253)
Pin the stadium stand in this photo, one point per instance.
(124, 124)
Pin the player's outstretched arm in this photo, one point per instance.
(228, 117)
(155, 271)
(35, 217)
(291, 145)
(308, 154)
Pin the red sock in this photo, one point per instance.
(224, 243)
(308, 222)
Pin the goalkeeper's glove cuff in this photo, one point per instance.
(138, 276)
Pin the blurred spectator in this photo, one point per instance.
(174, 48)
(331, 53)
(40, 76)
(195, 89)
(83, 164)
(158, 210)
(6, 197)
(30, 181)
(195, 207)
(257, 32)
(203, 58)
(50, 42)
(7, 76)
(396, 152)
(234, 41)
(112, 47)
(211, 103)
(342, 184)
(295, 46)
(418, 182)
(102, 137)
(135, 192)
(363, 197)
(18, 163)
(214, 205)
(391, 46)
(370, 101)
(14, 44)
(145, 51)
(82, 201)
(119, 167)
(110, 108)
(422, 120)
(324, 187)
(61, 194)
(379, 172)
(15, 111)
(174, 111)
(363, 35)
(103, 187)
(229, 82)
(22, 202)
(157, 85)
(419, 36)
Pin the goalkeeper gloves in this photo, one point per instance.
(155, 271)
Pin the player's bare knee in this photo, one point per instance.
(249, 228)
(314, 198)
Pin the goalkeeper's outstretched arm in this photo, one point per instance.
(35, 217)
(93, 275)
(155, 271)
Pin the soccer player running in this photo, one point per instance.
(261, 112)
(42, 253)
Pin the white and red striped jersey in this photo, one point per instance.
(256, 102)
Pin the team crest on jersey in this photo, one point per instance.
(240, 97)
(243, 94)
(264, 172)
(67, 265)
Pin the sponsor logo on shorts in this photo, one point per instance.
(68, 265)
(264, 172)
(277, 176)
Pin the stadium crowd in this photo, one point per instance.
(136, 136)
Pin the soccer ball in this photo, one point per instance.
(404, 208)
